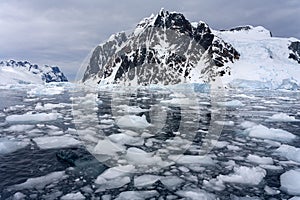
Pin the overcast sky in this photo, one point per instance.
(58, 32)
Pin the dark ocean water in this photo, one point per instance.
(98, 115)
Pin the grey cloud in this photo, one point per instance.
(64, 32)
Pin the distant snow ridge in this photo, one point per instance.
(168, 49)
(14, 72)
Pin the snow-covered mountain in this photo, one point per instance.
(14, 72)
(265, 61)
(167, 49)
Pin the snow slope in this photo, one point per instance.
(13, 72)
(264, 60)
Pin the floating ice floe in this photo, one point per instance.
(260, 160)
(233, 103)
(224, 123)
(29, 117)
(19, 128)
(242, 175)
(263, 132)
(73, 196)
(245, 175)
(40, 182)
(137, 195)
(196, 194)
(281, 117)
(123, 138)
(118, 171)
(138, 156)
(49, 106)
(289, 152)
(192, 159)
(46, 90)
(9, 146)
(112, 184)
(132, 122)
(54, 142)
(107, 147)
(290, 182)
(130, 109)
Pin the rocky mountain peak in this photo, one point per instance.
(163, 49)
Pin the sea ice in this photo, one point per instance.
(145, 180)
(196, 194)
(107, 147)
(137, 156)
(233, 103)
(112, 184)
(19, 128)
(9, 146)
(132, 122)
(282, 117)
(289, 152)
(123, 138)
(28, 117)
(260, 160)
(263, 132)
(40, 182)
(53, 142)
(290, 182)
(137, 195)
(192, 159)
(245, 175)
(73, 196)
(118, 171)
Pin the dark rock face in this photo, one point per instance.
(102, 54)
(295, 48)
(47, 73)
(164, 49)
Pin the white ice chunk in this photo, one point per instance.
(145, 180)
(54, 142)
(191, 159)
(137, 156)
(224, 123)
(118, 171)
(290, 182)
(233, 103)
(289, 152)
(19, 196)
(130, 109)
(40, 182)
(247, 124)
(38, 117)
(264, 132)
(106, 147)
(245, 175)
(282, 117)
(196, 194)
(260, 160)
(132, 122)
(72, 196)
(171, 182)
(9, 146)
(271, 191)
(137, 195)
(113, 184)
(19, 128)
(123, 138)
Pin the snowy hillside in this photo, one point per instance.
(13, 72)
(265, 61)
(167, 49)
